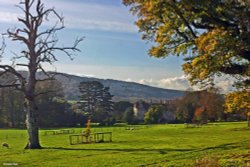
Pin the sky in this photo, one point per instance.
(112, 46)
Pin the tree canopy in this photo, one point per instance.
(154, 114)
(213, 36)
(93, 96)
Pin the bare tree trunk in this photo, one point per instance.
(31, 109)
(32, 126)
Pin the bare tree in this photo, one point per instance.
(41, 46)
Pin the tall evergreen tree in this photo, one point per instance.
(93, 97)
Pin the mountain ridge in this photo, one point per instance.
(122, 90)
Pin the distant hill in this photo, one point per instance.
(121, 90)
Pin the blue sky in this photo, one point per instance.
(112, 47)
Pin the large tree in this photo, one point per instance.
(94, 96)
(41, 44)
(213, 36)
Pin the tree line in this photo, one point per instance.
(95, 102)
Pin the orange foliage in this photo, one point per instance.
(199, 111)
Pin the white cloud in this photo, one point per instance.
(79, 15)
(8, 2)
(180, 83)
(8, 17)
(128, 80)
(225, 85)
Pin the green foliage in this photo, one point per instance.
(214, 34)
(185, 112)
(54, 111)
(11, 108)
(129, 116)
(94, 97)
(154, 114)
(158, 145)
(119, 109)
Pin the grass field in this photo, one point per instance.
(220, 144)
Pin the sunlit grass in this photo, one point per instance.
(156, 145)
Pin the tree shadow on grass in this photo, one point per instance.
(227, 146)
(192, 153)
(145, 150)
(222, 147)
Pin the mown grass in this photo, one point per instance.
(221, 144)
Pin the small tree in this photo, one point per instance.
(40, 47)
(154, 114)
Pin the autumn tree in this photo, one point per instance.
(201, 106)
(239, 102)
(209, 105)
(213, 36)
(41, 44)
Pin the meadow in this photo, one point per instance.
(215, 144)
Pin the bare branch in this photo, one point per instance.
(11, 70)
(15, 37)
(25, 65)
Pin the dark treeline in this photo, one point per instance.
(54, 111)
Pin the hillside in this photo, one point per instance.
(120, 89)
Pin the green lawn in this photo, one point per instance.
(223, 144)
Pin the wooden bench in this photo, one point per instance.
(80, 139)
(99, 137)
